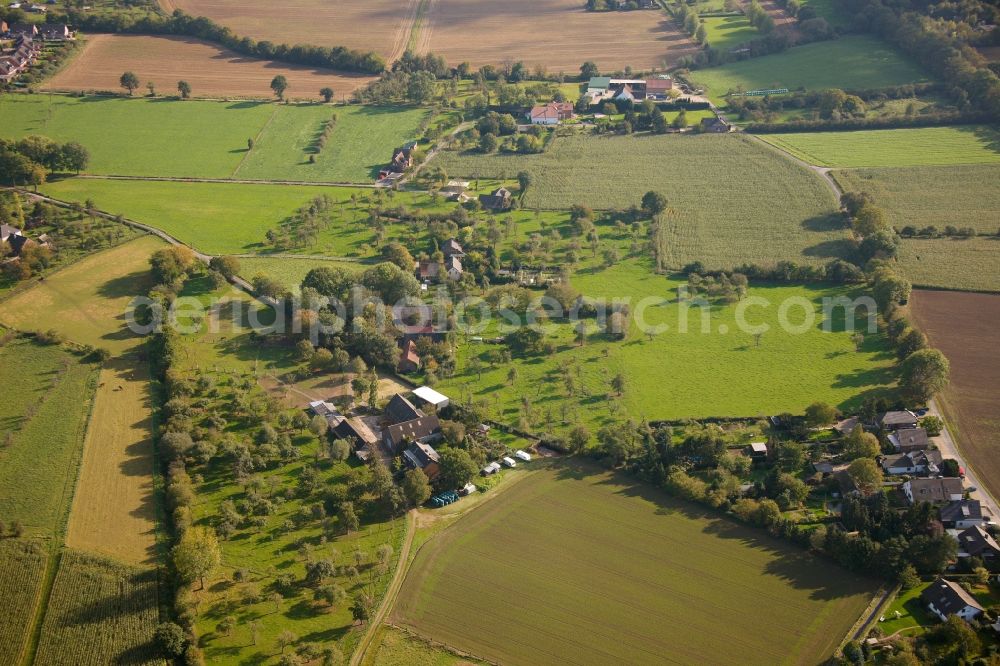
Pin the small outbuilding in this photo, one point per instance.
(425, 395)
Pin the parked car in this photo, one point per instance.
(522, 455)
(510, 462)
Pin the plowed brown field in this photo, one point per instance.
(211, 71)
(558, 34)
(966, 327)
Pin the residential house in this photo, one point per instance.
(455, 190)
(550, 114)
(426, 429)
(757, 451)
(356, 431)
(847, 426)
(944, 598)
(499, 199)
(714, 125)
(425, 395)
(913, 462)
(659, 88)
(935, 491)
(409, 360)
(423, 457)
(428, 270)
(452, 249)
(55, 32)
(453, 267)
(909, 439)
(400, 410)
(6, 231)
(962, 514)
(977, 542)
(899, 420)
(27, 29)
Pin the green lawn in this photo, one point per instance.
(361, 143)
(855, 62)
(727, 32)
(607, 570)
(733, 200)
(960, 195)
(141, 137)
(925, 146)
(42, 425)
(911, 613)
(679, 375)
(968, 264)
(291, 272)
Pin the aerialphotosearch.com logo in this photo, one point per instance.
(315, 317)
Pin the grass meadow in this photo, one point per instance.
(42, 426)
(605, 569)
(678, 375)
(960, 195)
(99, 612)
(764, 206)
(851, 62)
(22, 570)
(924, 146)
(395, 647)
(208, 139)
(86, 302)
(969, 264)
(291, 272)
(727, 32)
(360, 144)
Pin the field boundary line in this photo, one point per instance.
(822, 171)
(30, 649)
(256, 138)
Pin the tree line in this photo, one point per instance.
(27, 161)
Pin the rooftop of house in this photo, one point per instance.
(897, 418)
(401, 410)
(910, 438)
(962, 510)
(935, 490)
(975, 540)
(413, 430)
(921, 458)
(948, 597)
(421, 455)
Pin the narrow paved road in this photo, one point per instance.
(824, 172)
(389, 600)
(949, 449)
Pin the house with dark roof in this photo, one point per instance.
(913, 462)
(400, 409)
(905, 440)
(423, 457)
(29, 29)
(426, 429)
(977, 542)
(848, 487)
(452, 249)
(453, 267)
(356, 431)
(6, 231)
(962, 514)
(935, 491)
(714, 125)
(499, 199)
(409, 360)
(897, 420)
(944, 598)
(54, 32)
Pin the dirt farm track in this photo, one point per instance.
(966, 327)
(558, 35)
(211, 71)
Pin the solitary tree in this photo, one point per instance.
(416, 487)
(653, 203)
(279, 85)
(286, 638)
(197, 554)
(924, 373)
(326, 94)
(820, 414)
(129, 81)
(184, 88)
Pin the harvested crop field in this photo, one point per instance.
(22, 567)
(968, 264)
(734, 200)
(382, 26)
(577, 565)
(212, 71)
(960, 195)
(965, 327)
(556, 34)
(100, 612)
(114, 511)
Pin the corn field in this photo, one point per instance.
(22, 567)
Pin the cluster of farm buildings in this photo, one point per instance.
(25, 45)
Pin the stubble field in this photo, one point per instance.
(576, 565)
(556, 34)
(212, 71)
(968, 264)
(964, 327)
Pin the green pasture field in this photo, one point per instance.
(360, 144)
(732, 199)
(967, 264)
(829, 10)
(86, 302)
(42, 425)
(727, 32)
(924, 146)
(141, 137)
(851, 62)
(22, 568)
(100, 607)
(678, 375)
(393, 647)
(291, 272)
(607, 570)
(960, 195)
